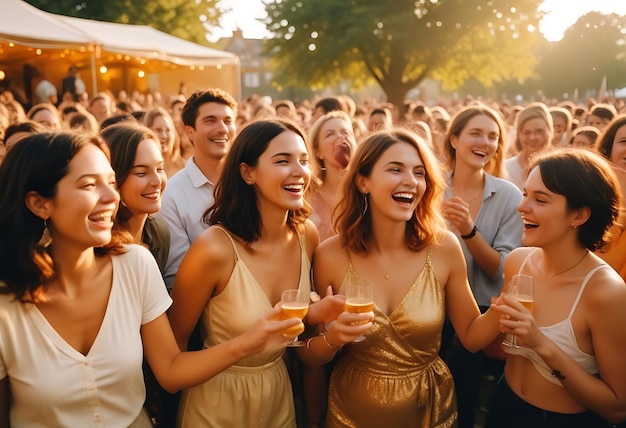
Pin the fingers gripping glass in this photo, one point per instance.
(521, 288)
(359, 298)
(294, 304)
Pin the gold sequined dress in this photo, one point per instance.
(395, 378)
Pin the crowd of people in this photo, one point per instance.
(145, 244)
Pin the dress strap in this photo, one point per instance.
(232, 241)
(526, 260)
(582, 288)
(429, 253)
(350, 267)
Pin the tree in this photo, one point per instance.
(591, 49)
(190, 20)
(399, 43)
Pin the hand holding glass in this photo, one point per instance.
(521, 288)
(294, 304)
(359, 298)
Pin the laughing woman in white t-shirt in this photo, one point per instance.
(78, 307)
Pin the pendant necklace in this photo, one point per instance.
(569, 268)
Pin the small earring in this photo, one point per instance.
(46, 238)
(365, 203)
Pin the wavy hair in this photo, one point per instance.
(236, 203)
(354, 223)
(36, 164)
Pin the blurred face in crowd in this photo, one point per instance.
(101, 109)
(164, 129)
(559, 125)
(618, 152)
(534, 135)
(597, 121)
(47, 119)
(378, 121)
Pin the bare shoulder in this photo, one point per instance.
(212, 247)
(311, 237)
(606, 289)
(330, 248)
(448, 245)
(330, 260)
(515, 258)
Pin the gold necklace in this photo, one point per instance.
(569, 268)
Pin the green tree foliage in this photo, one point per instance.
(399, 43)
(187, 19)
(592, 48)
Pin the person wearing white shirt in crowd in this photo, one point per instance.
(45, 92)
(79, 305)
(534, 130)
(209, 119)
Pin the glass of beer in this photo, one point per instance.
(521, 288)
(359, 298)
(294, 304)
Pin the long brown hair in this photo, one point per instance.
(353, 221)
(236, 206)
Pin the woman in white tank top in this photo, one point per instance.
(569, 370)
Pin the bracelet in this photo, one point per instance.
(471, 234)
(330, 345)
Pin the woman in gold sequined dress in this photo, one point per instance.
(390, 231)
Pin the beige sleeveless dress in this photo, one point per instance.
(257, 391)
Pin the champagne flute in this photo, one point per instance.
(359, 298)
(521, 288)
(294, 304)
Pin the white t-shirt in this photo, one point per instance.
(515, 172)
(53, 385)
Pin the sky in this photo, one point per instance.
(561, 15)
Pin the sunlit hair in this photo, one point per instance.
(45, 106)
(603, 111)
(495, 166)
(604, 143)
(236, 202)
(85, 121)
(585, 179)
(591, 133)
(353, 222)
(28, 126)
(36, 164)
(174, 143)
(564, 114)
(15, 109)
(532, 111)
(198, 98)
(317, 166)
(123, 140)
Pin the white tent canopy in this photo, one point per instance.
(30, 35)
(22, 23)
(145, 41)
